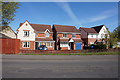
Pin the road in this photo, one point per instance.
(53, 66)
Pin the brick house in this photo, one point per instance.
(33, 35)
(94, 34)
(66, 37)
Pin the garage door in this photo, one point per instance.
(78, 46)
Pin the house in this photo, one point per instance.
(7, 32)
(8, 41)
(66, 37)
(33, 35)
(94, 34)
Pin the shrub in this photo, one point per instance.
(99, 46)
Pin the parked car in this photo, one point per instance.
(43, 47)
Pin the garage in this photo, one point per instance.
(78, 46)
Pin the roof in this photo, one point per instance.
(89, 30)
(98, 28)
(6, 28)
(40, 27)
(65, 28)
(4, 36)
(43, 39)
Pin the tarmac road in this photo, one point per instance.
(53, 66)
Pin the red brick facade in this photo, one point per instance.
(59, 35)
(32, 45)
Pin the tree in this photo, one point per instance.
(117, 32)
(8, 12)
(114, 37)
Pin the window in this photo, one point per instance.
(102, 35)
(48, 44)
(63, 44)
(26, 44)
(91, 35)
(37, 34)
(74, 35)
(26, 33)
(91, 42)
(64, 35)
(39, 44)
(46, 34)
(96, 35)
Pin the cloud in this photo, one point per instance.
(102, 16)
(98, 18)
(65, 6)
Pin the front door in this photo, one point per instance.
(71, 45)
(36, 45)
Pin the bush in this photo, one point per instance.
(98, 46)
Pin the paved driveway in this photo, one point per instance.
(53, 66)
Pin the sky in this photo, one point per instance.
(78, 14)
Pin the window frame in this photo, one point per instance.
(96, 35)
(64, 35)
(28, 33)
(74, 35)
(25, 43)
(91, 35)
(63, 44)
(46, 34)
(51, 44)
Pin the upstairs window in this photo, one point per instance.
(46, 34)
(26, 33)
(73, 35)
(64, 35)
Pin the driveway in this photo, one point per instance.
(54, 66)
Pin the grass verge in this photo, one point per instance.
(91, 53)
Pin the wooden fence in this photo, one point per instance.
(9, 46)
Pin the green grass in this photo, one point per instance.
(91, 53)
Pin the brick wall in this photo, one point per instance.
(67, 51)
(78, 35)
(91, 40)
(32, 45)
(64, 48)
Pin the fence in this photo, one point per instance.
(67, 51)
(10, 46)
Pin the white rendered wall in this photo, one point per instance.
(94, 35)
(103, 31)
(20, 34)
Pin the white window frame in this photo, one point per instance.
(63, 44)
(27, 44)
(91, 42)
(24, 33)
(91, 35)
(47, 34)
(96, 35)
(73, 35)
(51, 44)
(64, 35)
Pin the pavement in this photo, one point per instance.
(59, 66)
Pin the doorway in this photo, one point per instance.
(71, 45)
